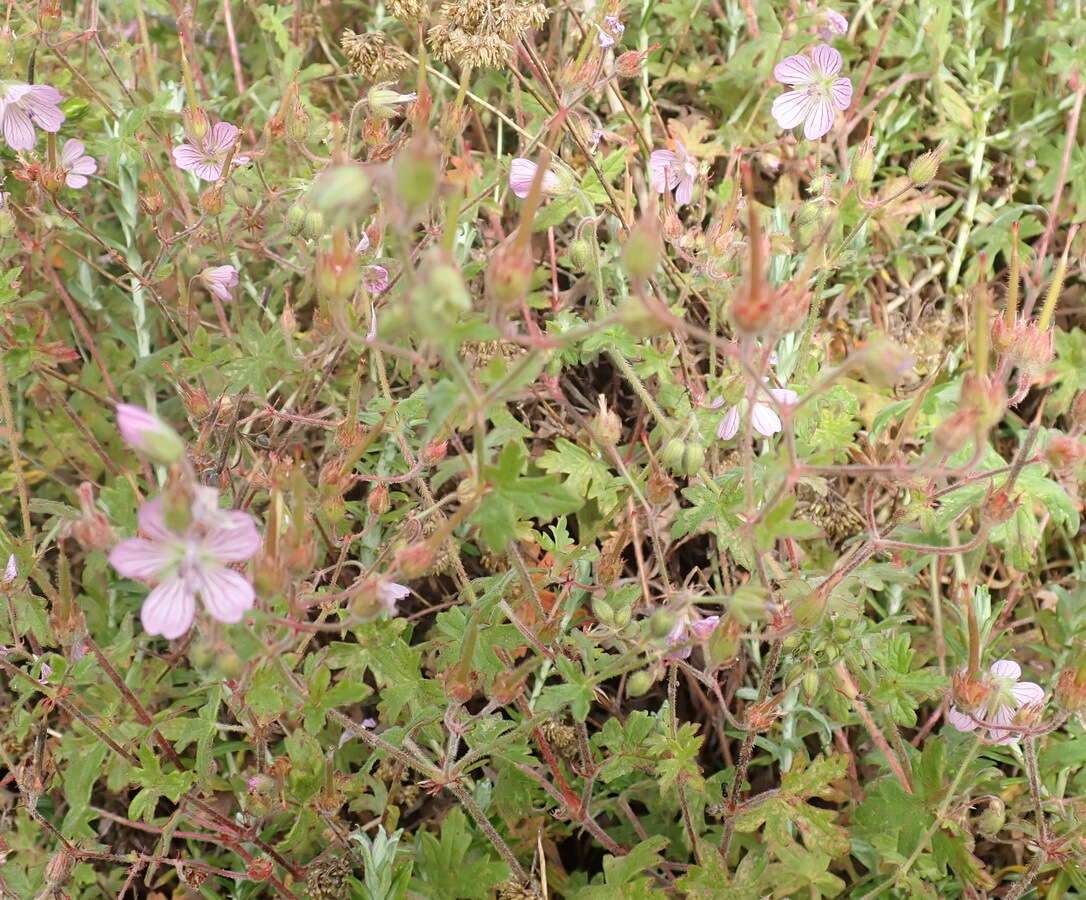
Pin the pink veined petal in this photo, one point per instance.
(221, 137)
(765, 421)
(819, 119)
(76, 181)
(703, 629)
(208, 170)
(960, 720)
(729, 425)
(72, 151)
(552, 184)
(168, 609)
(661, 170)
(85, 165)
(684, 191)
(139, 558)
(235, 540)
(521, 175)
(186, 157)
(1028, 692)
(44, 93)
(841, 92)
(18, 130)
(1006, 668)
(784, 396)
(826, 60)
(1004, 716)
(791, 108)
(152, 521)
(795, 70)
(226, 595)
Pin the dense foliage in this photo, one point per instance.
(510, 449)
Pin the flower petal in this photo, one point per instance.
(684, 191)
(1006, 668)
(662, 176)
(765, 421)
(795, 70)
(226, 595)
(76, 181)
(784, 396)
(152, 521)
(1028, 692)
(73, 149)
(521, 174)
(729, 425)
(791, 108)
(234, 538)
(222, 136)
(819, 119)
(959, 720)
(139, 558)
(826, 60)
(18, 130)
(186, 157)
(168, 609)
(1004, 716)
(841, 92)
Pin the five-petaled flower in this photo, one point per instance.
(189, 563)
(763, 417)
(23, 106)
(219, 280)
(1007, 695)
(673, 170)
(685, 634)
(75, 164)
(816, 91)
(206, 158)
(522, 174)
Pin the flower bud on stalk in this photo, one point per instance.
(195, 122)
(863, 162)
(641, 252)
(925, 167)
(338, 272)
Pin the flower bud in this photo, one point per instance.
(606, 425)
(884, 362)
(49, 16)
(212, 200)
(641, 252)
(603, 611)
(1064, 453)
(338, 273)
(434, 452)
(723, 644)
(313, 224)
(863, 162)
(925, 167)
(661, 622)
(509, 275)
(242, 195)
(299, 124)
(952, 433)
(639, 683)
(147, 434)
(990, 822)
(416, 169)
(1070, 689)
(92, 529)
(196, 123)
(415, 561)
(628, 64)
(383, 101)
(378, 500)
(580, 255)
(296, 215)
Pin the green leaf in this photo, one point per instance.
(447, 867)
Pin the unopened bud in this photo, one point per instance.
(338, 272)
(212, 200)
(378, 501)
(196, 123)
(509, 275)
(641, 253)
(661, 623)
(1070, 689)
(92, 529)
(603, 611)
(991, 821)
(863, 162)
(295, 219)
(639, 683)
(925, 167)
(147, 434)
(1064, 453)
(628, 64)
(383, 101)
(434, 452)
(49, 16)
(580, 255)
(884, 362)
(416, 170)
(606, 425)
(299, 124)
(415, 561)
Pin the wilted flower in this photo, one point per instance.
(390, 593)
(522, 174)
(206, 158)
(610, 31)
(1006, 696)
(763, 417)
(673, 170)
(816, 91)
(75, 164)
(219, 280)
(190, 563)
(23, 106)
(375, 278)
(831, 24)
(146, 433)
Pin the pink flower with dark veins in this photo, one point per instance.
(522, 174)
(763, 417)
(673, 170)
(75, 164)
(188, 564)
(206, 158)
(1007, 696)
(816, 91)
(23, 106)
(219, 280)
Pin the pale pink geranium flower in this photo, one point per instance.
(389, 593)
(522, 174)
(830, 24)
(23, 106)
(1008, 694)
(219, 280)
(763, 417)
(375, 279)
(205, 158)
(190, 563)
(673, 170)
(610, 31)
(816, 92)
(683, 636)
(76, 164)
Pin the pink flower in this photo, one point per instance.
(390, 593)
(219, 280)
(816, 92)
(831, 24)
(76, 164)
(206, 158)
(522, 174)
(363, 243)
(1008, 694)
(375, 278)
(146, 433)
(673, 170)
(682, 637)
(763, 417)
(194, 562)
(25, 105)
(610, 32)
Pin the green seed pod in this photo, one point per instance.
(693, 458)
(672, 454)
(580, 254)
(810, 684)
(296, 219)
(313, 224)
(602, 610)
(638, 684)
